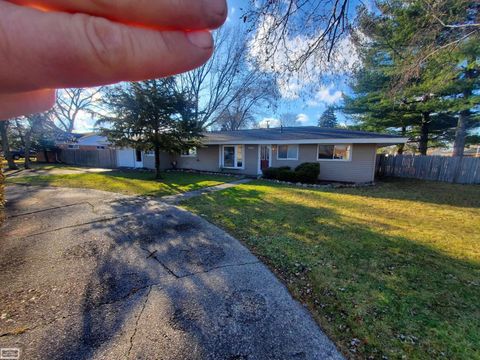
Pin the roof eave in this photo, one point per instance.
(391, 141)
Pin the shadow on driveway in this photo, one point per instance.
(122, 277)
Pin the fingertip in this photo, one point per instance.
(201, 39)
(24, 104)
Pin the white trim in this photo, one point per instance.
(312, 141)
(288, 159)
(374, 163)
(259, 159)
(235, 160)
(336, 160)
(220, 156)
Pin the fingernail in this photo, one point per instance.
(216, 12)
(201, 39)
(219, 7)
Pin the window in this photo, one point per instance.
(138, 155)
(192, 152)
(74, 147)
(287, 152)
(233, 156)
(334, 152)
(101, 147)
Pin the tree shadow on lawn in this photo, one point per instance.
(126, 183)
(433, 192)
(172, 182)
(396, 295)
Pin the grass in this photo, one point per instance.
(391, 270)
(130, 183)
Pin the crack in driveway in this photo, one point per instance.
(210, 298)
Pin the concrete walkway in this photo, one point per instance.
(88, 274)
(175, 199)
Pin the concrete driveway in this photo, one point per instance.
(93, 275)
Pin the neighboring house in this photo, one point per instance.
(90, 141)
(343, 155)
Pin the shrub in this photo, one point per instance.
(305, 173)
(287, 175)
(274, 173)
(308, 172)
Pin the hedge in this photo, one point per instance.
(305, 173)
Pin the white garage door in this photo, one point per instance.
(126, 158)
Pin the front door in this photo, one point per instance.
(265, 156)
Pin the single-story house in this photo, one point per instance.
(344, 155)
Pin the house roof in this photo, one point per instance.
(299, 135)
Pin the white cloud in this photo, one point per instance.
(291, 85)
(84, 123)
(326, 95)
(303, 118)
(269, 122)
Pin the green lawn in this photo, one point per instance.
(391, 270)
(130, 183)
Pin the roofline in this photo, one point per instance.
(311, 141)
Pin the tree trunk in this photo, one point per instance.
(19, 129)
(401, 147)
(28, 143)
(6, 146)
(158, 174)
(460, 133)
(45, 154)
(424, 132)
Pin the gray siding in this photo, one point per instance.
(165, 161)
(360, 169)
(251, 160)
(207, 159)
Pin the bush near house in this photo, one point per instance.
(308, 172)
(304, 173)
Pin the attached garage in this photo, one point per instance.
(129, 158)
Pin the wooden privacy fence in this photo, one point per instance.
(464, 170)
(93, 158)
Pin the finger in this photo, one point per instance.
(13, 105)
(173, 14)
(55, 50)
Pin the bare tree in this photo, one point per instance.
(322, 23)
(6, 145)
(216, 86)
(288, 119)
(312, 32)
(257, 93)
(71, 103)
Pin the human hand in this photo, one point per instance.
(50, 44)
